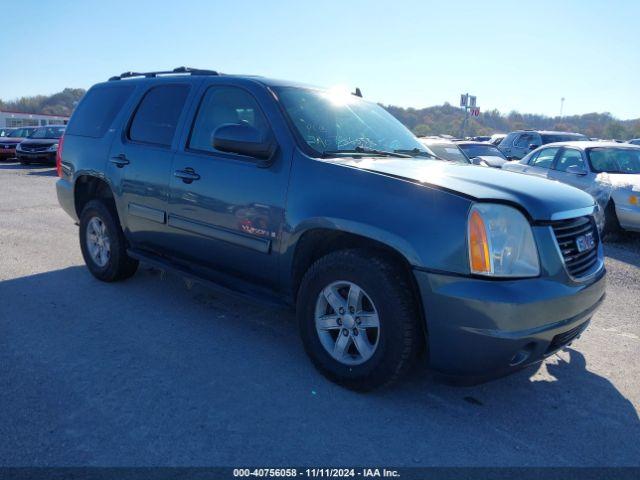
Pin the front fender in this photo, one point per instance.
(425, 224)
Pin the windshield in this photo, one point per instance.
(615, 160)
(448, 151)
(48, 132)
(481, 151)
(331, 123)
(563, 137)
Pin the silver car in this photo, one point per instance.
(609, 171)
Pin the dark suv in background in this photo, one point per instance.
(324, 201)
(41, 146)
(519, 143)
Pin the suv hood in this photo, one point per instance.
(540, 197)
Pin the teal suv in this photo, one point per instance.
(323, 201)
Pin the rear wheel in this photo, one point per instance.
(103, 244)
(358, 319)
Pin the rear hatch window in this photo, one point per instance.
(98, 108)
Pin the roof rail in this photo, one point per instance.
(175, 71)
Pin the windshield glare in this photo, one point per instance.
(473, 151)
(48, 132)
(330, 121)
(615, 160)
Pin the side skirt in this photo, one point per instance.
(213, 279)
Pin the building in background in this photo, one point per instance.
(19, 119)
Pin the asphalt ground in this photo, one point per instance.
(155, 371)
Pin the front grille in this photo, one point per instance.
(565, 338)
(35, 148)
(574, 235)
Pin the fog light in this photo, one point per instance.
(522, 355)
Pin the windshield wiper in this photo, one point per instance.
(414, 152)
(366, 151)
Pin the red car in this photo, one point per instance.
(12, 138)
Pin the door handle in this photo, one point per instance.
(119, 160)
(187, 175)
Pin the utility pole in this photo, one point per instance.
(561, 106)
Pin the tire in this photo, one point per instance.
(114, 263)
(611, 223)
(386, 291)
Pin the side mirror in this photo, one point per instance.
(533, 146)
(576, 170)
(477, 161)
(244, 139)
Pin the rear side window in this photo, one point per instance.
(96, 111)
(156, 118)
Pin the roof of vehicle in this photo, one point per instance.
(475, 142)
(549, 132)
(187, 72)
(591, 144)
(434, 140)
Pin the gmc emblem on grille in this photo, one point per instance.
(585, 242)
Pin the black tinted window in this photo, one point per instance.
(224, 105)
(156, 118)
(561, 137)
(97, 110)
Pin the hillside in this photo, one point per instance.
(442, 119)
(447, 119)
(61, 103)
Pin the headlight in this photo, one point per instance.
(501, 242)
(53, 147)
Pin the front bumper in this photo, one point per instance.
(49, 157)
(480, 329)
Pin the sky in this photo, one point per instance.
(522, 56)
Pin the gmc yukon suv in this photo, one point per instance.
(322, 200)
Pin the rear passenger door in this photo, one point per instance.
(227, 208)
(140, 163)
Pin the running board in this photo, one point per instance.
(213, 279)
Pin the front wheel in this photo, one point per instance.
(358, 319)
(611, 223)
(103, 244)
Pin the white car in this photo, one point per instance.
(609, 171)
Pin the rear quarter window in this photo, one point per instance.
(98, 108)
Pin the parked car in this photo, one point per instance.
(496, 138)
(12, 138)
(519, 143)
(325, 201)
(41, 145)
(480, 138)
(609, 171)
(483, 153)
(634, 141)
(444, 149)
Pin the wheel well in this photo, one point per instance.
(317, 243)
(88, 188)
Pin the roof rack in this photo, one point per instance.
(175, 71)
